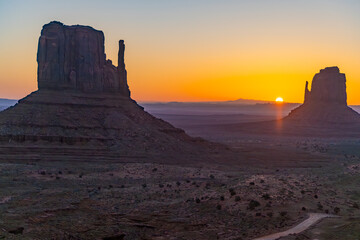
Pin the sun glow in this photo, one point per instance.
(279, 100)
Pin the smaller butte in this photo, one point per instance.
(326, 103)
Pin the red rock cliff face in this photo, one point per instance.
(73, 57)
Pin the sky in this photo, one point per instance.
(196, 50)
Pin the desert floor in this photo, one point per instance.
(274, 184)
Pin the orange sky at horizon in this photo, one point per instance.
(185, 56)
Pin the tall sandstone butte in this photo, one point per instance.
(84, 101)
(327, 100)
(73, 58)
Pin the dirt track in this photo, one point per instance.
(313, 218)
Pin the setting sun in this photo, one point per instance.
(279, 100)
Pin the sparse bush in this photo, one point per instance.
(266, 196)
(355, 205)
(144, 185)
(336, 210)
(252, 183)
(258, 214)
(222, 198)
(262, 181)
(197, 200)
(253, 204)
(161, 185)
(269, 214)
(154, 169)
(17, 231)
(212, 176)
(237, 198)
(319, 206)
(316, 196)
(218, 207)
(232, 192)
(302, 192)
(303, 208)
(283, 213)
(178, 183)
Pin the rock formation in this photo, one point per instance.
(327, 100)
(84, 101)
(73, 57)
(328, 86)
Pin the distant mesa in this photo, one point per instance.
(326, 103)
(84, 101)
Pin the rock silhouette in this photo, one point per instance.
(73, 57)
(328, 86)
(327, 100)
(84, 101)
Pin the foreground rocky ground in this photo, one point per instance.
(42, 199)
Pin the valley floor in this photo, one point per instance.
(272, 187)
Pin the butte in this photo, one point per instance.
(324, 113)
(326, 103)
(83, 109)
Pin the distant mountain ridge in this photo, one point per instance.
(5, 103)
(248, 101)
(239, 101)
